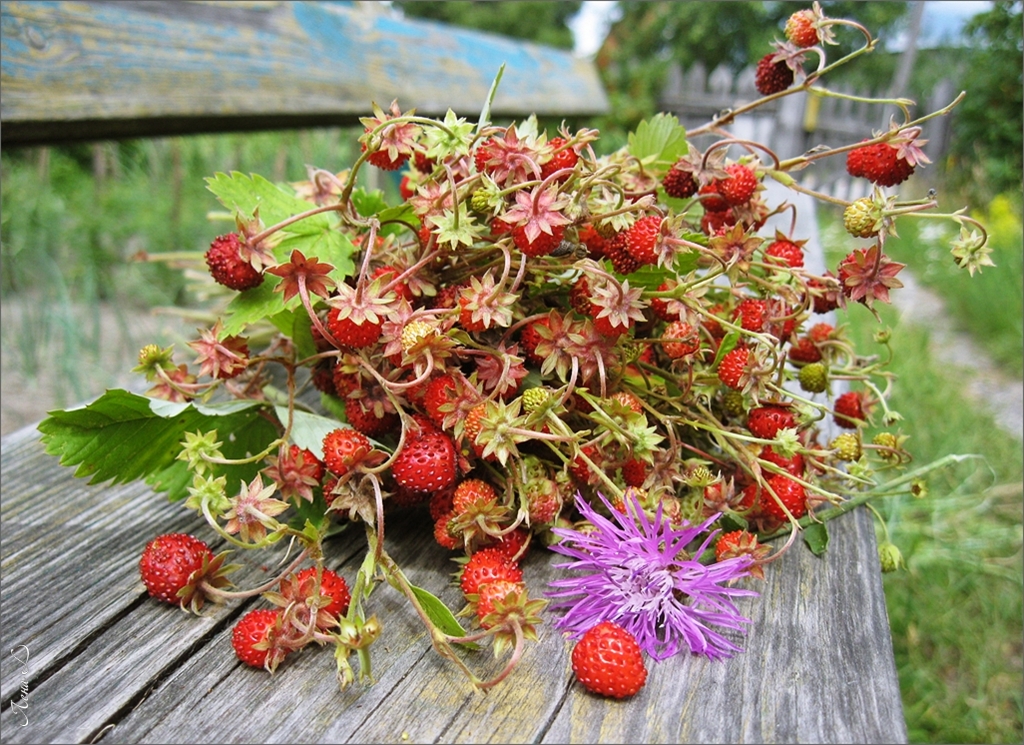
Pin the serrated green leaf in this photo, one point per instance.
(252, 306)
(122, 437)
(308, 430)
(816, 538)
(439, 613)
(649, 277)
(728, 344)
(245, 193)
(686, 263)
(368, 203)
(660, 140)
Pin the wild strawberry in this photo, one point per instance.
(581, 470)
(679, 183)
(616, 252)
(227, 267)
(511, 544)
(683, 339)
(608, 661)
(790, 493)
(750, 313)
(472, 493)
(785, 252)
(714, 223)
(732, 368)
(711, 198)
(444, 537)
(846, 446)
(492, 593)
(382, 159)
(801, 29)
(254, 638)
(642, 239)
(426, 463)
(741, 543)
(740, 186)
(794, 465)
(174, 563)
(804, 350)
(349, 333)
(849, 410)
(814, 377)
(473, 425)
(388, 274)
(441, 391)
(594, 241)
(362, 416)
(344, 449)
(332, 585)
(634, 472)
(772, 77)
(530, 338)
(422, 163)
(542, 245)
(821, 332)
(861, 218)
(766, 421)
(879, 163)
(579, 296)
(487, 565)
(564, 158)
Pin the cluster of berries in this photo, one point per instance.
(533, 332)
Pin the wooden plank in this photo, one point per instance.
(87, 70)
(817, 667)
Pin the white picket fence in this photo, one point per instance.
(796, 124)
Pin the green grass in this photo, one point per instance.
(956, 609)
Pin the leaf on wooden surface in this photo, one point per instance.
(440, 614)
(660, 140)
(122, 437)
(816, 538)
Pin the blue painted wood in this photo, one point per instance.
(145, 68)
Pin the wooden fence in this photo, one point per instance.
(795, 124)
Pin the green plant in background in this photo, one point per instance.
(955, 609)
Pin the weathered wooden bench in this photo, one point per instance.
(88, 657)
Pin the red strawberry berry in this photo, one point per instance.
(254, 638)
(332, 586)
(642, 239)
(349, 333)
(363, 418)
(801, 29)
(227, 267)
(382, 159)
(740, 186)
(542, 245)
(511, 544)
(789, 492)
(441, 391)
(616, 252)
(711, 198)
(733, 367)
(564, 158)
(472, 494)
(772, 77)
(171, 563)
(685, 339)
(766, 421)
(487, 565)
(848, 410)
(751, 314)
(794, 465)
(444, 537)
(679, 183)
(426, 463)
(344, 449)
(634, 472)
(785, 252)
(879, 163)
(608, 661)
(804, 350)
(491, 593)
(307, 458)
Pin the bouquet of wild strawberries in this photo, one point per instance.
(601, 355)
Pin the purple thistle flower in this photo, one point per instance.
(634, 572)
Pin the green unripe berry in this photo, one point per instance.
(847, 446)
(814, 377)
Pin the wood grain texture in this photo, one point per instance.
(112, 664)
(81, 70)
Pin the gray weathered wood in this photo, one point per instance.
(89, 70)
(106, 662)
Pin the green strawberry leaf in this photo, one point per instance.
(245, 194)
(728, 344)
(368, 203)
(440, 614)
(122, 437)
(252, 306)
(660, 140)
(333, 406)
(686, 263)
(816, 538)
(295, 324)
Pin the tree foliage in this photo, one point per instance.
(988, 124)
(541, 22)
